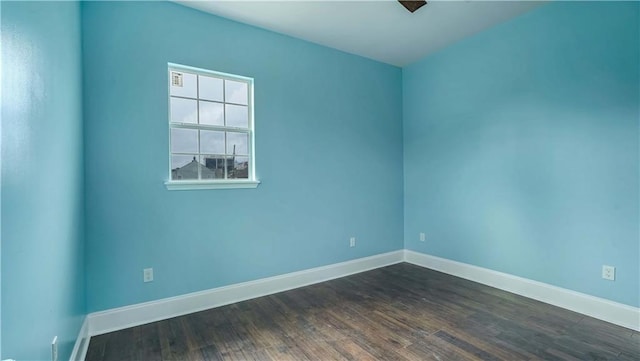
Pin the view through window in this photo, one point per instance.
(211, 125)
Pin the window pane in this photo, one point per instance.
(237, 116)
(184, 140)
(184, 110)
(188, 88)
(210, 88)
(211, 113)
(237, 143)
(184, 167)
(240, 168)
(214, 166)
(211, 142)
(235, 92)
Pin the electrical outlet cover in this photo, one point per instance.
(54, 349)
(148, 274)
(609, 273)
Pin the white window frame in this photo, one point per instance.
(251, 181)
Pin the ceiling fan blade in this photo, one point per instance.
(413, 5)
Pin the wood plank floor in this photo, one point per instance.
(400, 312)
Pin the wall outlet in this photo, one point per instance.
(352, 242)
(609, 272)
(423, 237)
(147, 274)
(54, 349)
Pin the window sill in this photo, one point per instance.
(194, 185)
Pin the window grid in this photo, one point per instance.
(241, 163)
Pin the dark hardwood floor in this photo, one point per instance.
(400, 312)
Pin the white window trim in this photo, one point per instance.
(193, 185)
(252, 182)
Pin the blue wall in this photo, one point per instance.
(521, 148)
(1, 88)
(42, 187)
(329, 155)
(521, 154)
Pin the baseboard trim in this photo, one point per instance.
(139, 314)
(129, 316)
(81, 346)
(600, 308)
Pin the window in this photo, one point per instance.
(211, 140)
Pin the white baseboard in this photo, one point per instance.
(600, 308)
(129, 316)
(139, 314)
(82, 342)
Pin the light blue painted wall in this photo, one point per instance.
(0, 192)
(1, 87)
(329, 155)
(42, 186)
(521, 148)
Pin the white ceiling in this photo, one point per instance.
(382, 30)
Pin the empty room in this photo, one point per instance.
(320, 180)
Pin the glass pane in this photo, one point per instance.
(184, 167)
(184, 140)
(240, 168)
(188, 86)
(184, 110)
(214, 166)
(237, 143)
(210, 88)
(237, 116)
(236, 92)
(211, 142)
(211, 113)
